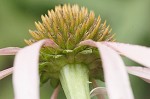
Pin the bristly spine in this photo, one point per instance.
(68, 25)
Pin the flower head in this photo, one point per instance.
(67, 26)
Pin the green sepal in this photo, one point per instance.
(44, 77)
(54, 82)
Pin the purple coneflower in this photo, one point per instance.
(72, 48)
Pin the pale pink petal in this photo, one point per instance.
(55, 93)
(99, 91)
(116, 77)
(26, 74)
(142, 72)
(146, 80)
(9, 51)
(51, 43)
(6, 72)
(88, 42)
(137, 53)
(95, 85)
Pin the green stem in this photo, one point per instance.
(74, 80)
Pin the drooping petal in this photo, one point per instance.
(55, 93)
(26, 75)
(6, 72)
(99, 91)
(142, 72)
(116, 77)
(146, 80)
(9, 50)
(137, 53)
(99, 95)
(88, 42)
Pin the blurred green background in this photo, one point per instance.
(129, 19)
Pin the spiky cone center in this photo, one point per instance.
(67, 26)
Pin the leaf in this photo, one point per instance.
(6, 72)
(9, 50)
(98, 91)
(116, 77)
(137, 53)
(26, 74)
(142, 72)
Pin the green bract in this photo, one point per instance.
(67, 26)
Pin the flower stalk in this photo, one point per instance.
(75, 81)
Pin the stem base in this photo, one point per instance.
(74, 80)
